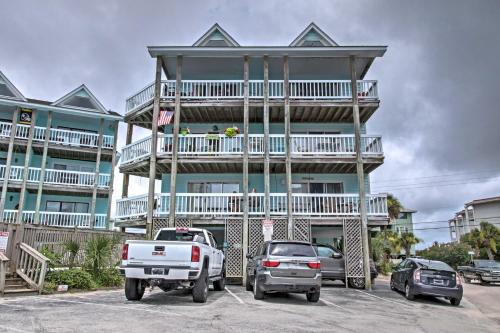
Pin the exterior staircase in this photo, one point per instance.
(15, 286)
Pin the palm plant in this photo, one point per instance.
(394, 207)
(98, 253)
(407, 240)
(385, 243)
(486, 237)
(72, 247)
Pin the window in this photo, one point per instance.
(213, 187)
(325, 252)
(409, 264)
(317, 188)
(178, 235)
(67, 207)
(3, 161)
(291, 250)
(403, 216)
(212, 240)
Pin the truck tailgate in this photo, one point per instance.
(164, 253)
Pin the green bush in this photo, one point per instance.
(99, 253)
(454, 254)
(384, 267)
(75, 278)
(49, 287)
(55, 259)
(110, 277)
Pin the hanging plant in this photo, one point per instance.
(231, 131)
(185, 131)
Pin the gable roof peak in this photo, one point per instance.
(216, 36)
(312, 35)
(7, 89)
(81, 98)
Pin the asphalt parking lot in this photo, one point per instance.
(340, 309)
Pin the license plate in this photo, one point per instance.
(159, 271)
(440, 282)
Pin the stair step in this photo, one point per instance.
(15, 286)
(20, 292)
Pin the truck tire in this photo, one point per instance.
(200, 289)
(313, 297)
(220, 284)
(133, 289)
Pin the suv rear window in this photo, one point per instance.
(291, 250)
(178, 235)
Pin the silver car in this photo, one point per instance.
(284, 266)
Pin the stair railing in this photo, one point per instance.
(3, 271)
(32, 266)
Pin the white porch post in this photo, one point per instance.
(42, 168)
(10, 152)
(246, 128)
(96, 173)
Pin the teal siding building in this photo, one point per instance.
(240, 134)
(59, 157)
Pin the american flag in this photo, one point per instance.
(165, 117)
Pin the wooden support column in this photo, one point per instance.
(8, 164)
(175, 143)
(42, 168)
(288, 159)
(154, 148)
(27, 162)
(360, 174)
(246, 128)
(112, 175)
(267, 186)
(126, 176)
(96, 174)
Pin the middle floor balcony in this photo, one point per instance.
(306, 205)
(57, 181)
(219, 153)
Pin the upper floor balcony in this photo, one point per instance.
(305, 148)
(326, 205)
(71, 141)
(57, 178)
(212, 91)
(57, 219)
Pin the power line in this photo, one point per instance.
(440, 181)
(458, 226)
(428, 186)
(436, 176)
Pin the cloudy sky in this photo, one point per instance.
(439, 80)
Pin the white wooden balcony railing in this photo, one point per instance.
(229, 204)
(233, 89)
(199, 145)
(58, 136)
(57, 177)
(57, 219)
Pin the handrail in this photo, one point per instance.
(32, 266)
(3, 271)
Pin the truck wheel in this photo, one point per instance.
(248, 285)
(133, 289)
(483, 282)
(313, 297)
(200, 289)
(220, 284)
(257, 292)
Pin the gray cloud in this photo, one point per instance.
(438, 81)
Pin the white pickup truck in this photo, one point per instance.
(178, 258)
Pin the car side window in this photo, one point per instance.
(325, 252)
(212, 240)
(409, 264)
(401, 264)
(263, 250)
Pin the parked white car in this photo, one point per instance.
(178, 258)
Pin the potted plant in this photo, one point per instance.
(231, 131)
(185, 131)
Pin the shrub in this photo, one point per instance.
(49, 287)
(75, 278)
(110, 277)
(454, 254)
(99, 253)
(72, 247)
(55, 258)
(385, 267)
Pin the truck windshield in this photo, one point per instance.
(178, 235)
(291, 250)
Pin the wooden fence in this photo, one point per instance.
(54, 239)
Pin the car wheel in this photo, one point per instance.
(393, 287)
(483, 283)
(200, 289)
(356, 283)
(248, 285)
(455, 301)
(133, 289)
(313, 297)
(409, 293)
(257, 292)
(220, 284)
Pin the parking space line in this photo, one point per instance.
(333, 304)
(384, 299)
(141, 308)
(12, 329)
(237, 298)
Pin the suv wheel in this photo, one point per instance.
(134, 290)
(200, 289)
(220, 284)
(408, 292)
(248, 285)
(257, 292)
(313, 297)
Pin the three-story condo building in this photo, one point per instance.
(240, 134)
(56, 159)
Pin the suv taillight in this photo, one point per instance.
(459, 280)
(314, 265)
(270, 263)
(195, 253)
(125, 252)
(416, 275)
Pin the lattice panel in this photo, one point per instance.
(255, 235)
(234, 250)
(183, 223)
(158, 224)
(353, 249)
(280, 229)
(302, 230)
